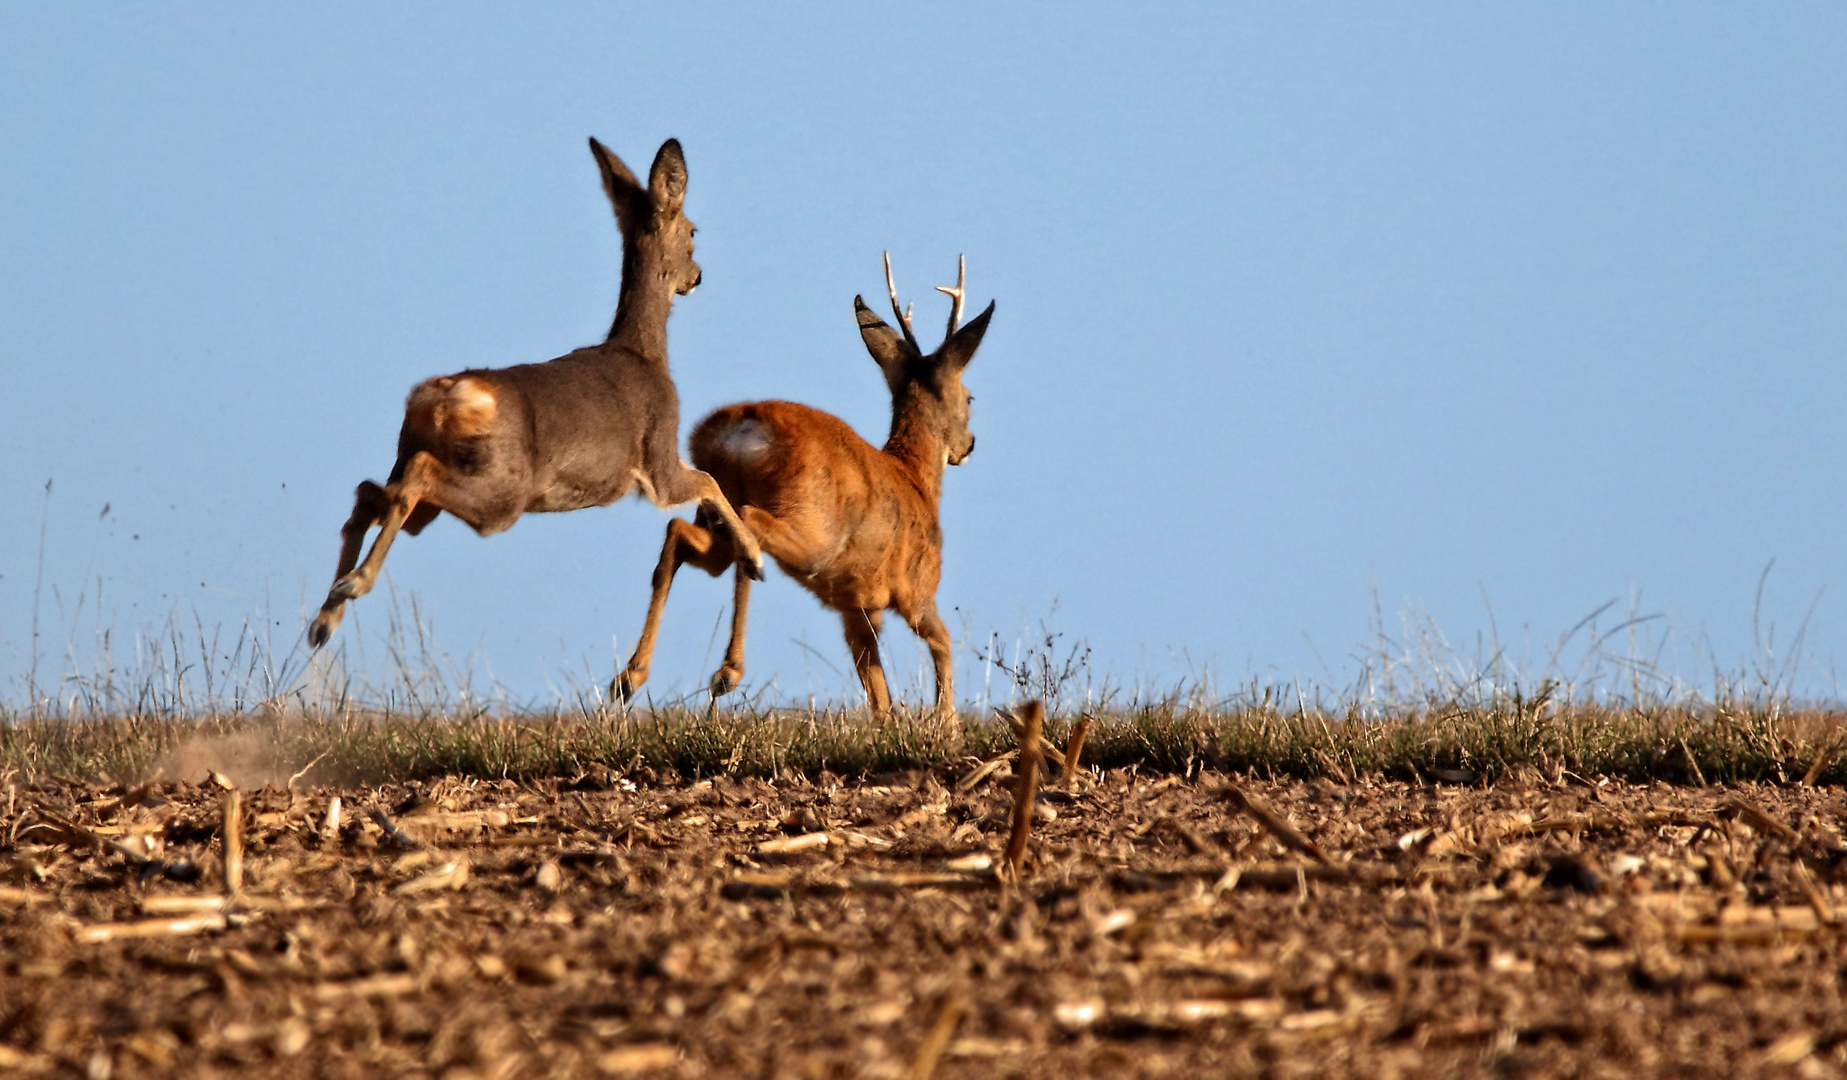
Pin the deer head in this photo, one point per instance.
(927, 394)
(656, 234)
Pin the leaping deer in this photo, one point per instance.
(854, 524)
(582, 430)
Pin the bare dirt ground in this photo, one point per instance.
(652, 926)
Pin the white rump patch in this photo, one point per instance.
(467, 395)
(746, 440)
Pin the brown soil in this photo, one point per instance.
(1539, 927)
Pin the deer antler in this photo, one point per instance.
(955, 314)
(904, 316)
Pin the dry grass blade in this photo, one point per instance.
(1822, 760)
(1574, 823)
(1074, 751)
(776, 884)
(651, 1058)
(16, 897)
(450, 875)
(1180, 831)
(233, 836)
(1699, 777)
(986, 769)
(1025, 786)
(331, 830)
(183, 905)
(1171, 1015)
(790, 845)
(64, 831)
(1292, 877)
(1596, 823)
(146, 928)
(1761, 821)
(129, 799)
(937, 1040)
(372, 986)
(1287, 834)
(305, 768)
(1790, 1049)
(1751, 934)
(1823, 910)
(894, 882)
(22, 1062)
(395, 836)
(1047, 751)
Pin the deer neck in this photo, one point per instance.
(916, 444)
(642, 308)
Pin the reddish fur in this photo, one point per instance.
(853, 523)
(866, 519)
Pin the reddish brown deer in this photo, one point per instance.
(582, 430)
(854, 524)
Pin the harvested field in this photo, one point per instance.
(1187, 924)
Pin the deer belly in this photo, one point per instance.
(844, 585)
(567, 494)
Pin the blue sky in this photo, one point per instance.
(1496, 315)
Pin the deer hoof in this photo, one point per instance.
(628, 682)
(753, 566)
(322, 628)
(726, 679)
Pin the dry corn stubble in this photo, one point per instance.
(1025, 787)
(1551, 929)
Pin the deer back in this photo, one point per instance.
(588, 427)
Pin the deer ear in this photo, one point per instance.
(616, 176)
(961, 346)
(667, 179)
(882, 342)
(618, 183)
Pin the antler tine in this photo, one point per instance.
(955, 313)
(904, 317)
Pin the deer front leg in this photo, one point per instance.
(862, 630)
(727, 677)
(370, 504)
(685, 543)
(929, 626)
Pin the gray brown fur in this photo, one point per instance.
(582, 430)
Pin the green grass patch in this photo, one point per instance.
(1678, 744)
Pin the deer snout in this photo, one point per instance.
(698, 276)
(957, 459)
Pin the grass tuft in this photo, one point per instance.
(1679, 744)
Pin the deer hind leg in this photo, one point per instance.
(727, 677)
(390, 507)
(862, 630)
(370, 504)
(686, 542)
(690, 484)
